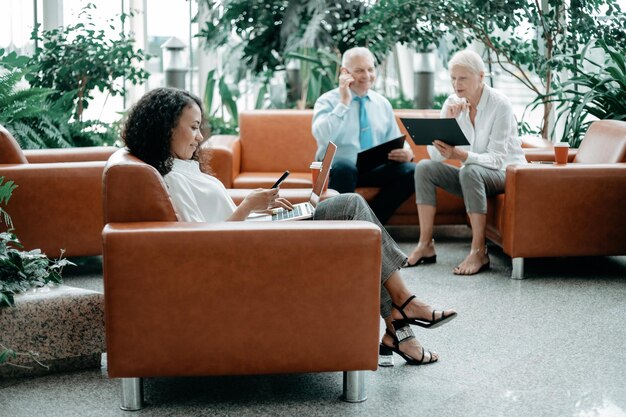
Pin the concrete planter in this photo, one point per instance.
(64, 325)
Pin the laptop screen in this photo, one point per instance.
(318, 187)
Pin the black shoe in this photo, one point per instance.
(405, 334)
(422, 260)
(428, 324)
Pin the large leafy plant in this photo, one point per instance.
(319, 71)
(596, 90)
(261, 37)
(269, 29)
(77, 59)
(36, 120)
(530, 40)
(29, 115)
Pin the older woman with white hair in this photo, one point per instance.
(487, 120)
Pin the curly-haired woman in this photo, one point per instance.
(163, 129)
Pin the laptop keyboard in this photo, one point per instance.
(288, 214)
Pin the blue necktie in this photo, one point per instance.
(365, 132)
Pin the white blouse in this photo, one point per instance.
(197, 197)
(493, 137)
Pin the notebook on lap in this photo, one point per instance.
(370, 158)
(304, 210)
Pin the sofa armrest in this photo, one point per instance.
(57, 206)
(93, 153)
(220, 156)
(241, 297)
(568, 210)
(535, 154)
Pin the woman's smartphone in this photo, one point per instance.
(281, 179)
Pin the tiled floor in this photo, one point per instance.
(550, 345)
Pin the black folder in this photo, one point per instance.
(425, 131)
(378, 155)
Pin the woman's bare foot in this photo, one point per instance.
(475, 262)
(419, 310)
(423, 253)
(412, 348)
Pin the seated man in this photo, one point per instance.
(357, 118)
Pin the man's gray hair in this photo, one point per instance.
(354, 52)
(469, 60)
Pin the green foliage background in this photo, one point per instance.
(68, 65)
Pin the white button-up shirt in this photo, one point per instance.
(493, 136)
(196, 196)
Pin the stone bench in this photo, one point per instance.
(64, 325)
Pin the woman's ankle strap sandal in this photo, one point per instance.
(404, 333)
(428, 324)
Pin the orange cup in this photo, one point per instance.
(316, 168)
(561, 152)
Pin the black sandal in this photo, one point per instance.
(428, 324)
(403, 334)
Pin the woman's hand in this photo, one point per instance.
(449, 151)
(260, 199)
(454, 109)
(282, 203)
(264, 200)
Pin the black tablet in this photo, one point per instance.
(378, 155)
(425, 131)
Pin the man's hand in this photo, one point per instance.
(449, 151)
(401, 155)
(345, 80)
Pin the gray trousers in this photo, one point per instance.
(354, 207)
(473, 183)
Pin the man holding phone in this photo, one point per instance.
(357, 118)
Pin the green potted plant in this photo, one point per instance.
(67, 66)
(596, 90)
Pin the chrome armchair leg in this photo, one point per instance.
(518, 268)
(354, 386)
(131, 394)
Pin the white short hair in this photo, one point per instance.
(469, 60)
(354, 52)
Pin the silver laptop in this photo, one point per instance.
(304, 210)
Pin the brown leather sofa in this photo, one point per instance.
(58, 203)
(271, 141)
(236, 298)
(578, 209)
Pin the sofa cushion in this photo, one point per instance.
(252, 180)
(272, 143)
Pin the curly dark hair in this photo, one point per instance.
(148, 127)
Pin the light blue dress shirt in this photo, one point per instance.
(332, 120)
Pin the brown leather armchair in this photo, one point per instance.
(565, 210)
(58, 203)
(232, 298)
